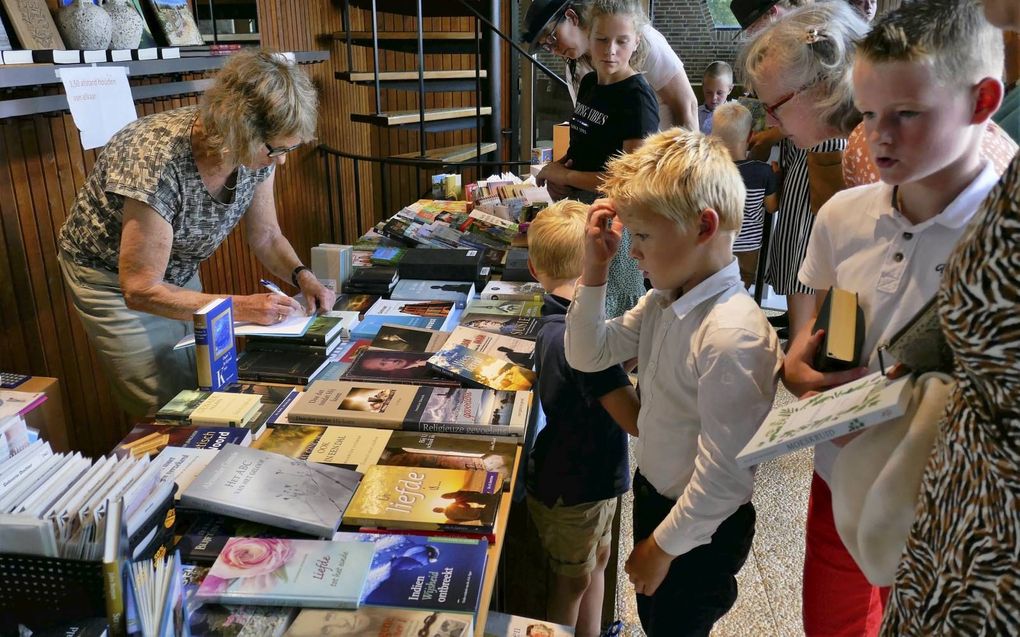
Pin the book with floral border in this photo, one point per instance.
(420, 498)
(842, 410)
(370, 621)
(287, 572)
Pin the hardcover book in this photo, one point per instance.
(845, 409)
(516, 266)
(215, 347)
(503, 625)
(379, 365)
(513, 291)
(176, 22)
(295, 368)
(370, 326)
(447, 264)
(205, 538)
(401, 338)
(284, 572)
(182, 465)
(350, 447)
(518, 351)
(428, 409)
(359, 303)
(181, 406)
(421, 572)
(321, 331)
(426, 499)
(843, 321)
(217, 620)
(477, 369)
(520, 319)
(451, 451)
(387, 256)
(460, 292)
(226, 408)
(149, 440)
(33, 24)
(256, 485)
(380, 622)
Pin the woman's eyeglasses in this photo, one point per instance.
(547, 39)
(278, 152)
(772, 109)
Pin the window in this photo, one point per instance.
(722, 17)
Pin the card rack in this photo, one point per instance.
(40, 592)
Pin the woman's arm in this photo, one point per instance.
(275, 252)
(678, 95)
(560, 173)
(145, 243)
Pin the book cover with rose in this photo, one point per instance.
(282, 572)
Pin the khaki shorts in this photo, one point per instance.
(572, 535)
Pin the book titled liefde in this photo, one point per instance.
(286, 572)
(411, 408)
(421, 498)
(215, 348)
(260, 486)
(862, 403)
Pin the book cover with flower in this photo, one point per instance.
(282, 572)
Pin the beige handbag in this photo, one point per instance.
(825, 176)
(877, 478)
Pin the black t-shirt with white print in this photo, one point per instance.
(607, 115)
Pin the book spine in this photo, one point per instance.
(813, 439)
(203, 353)
(276, 599)
(447, 428)
(319, 419)
(273, 346)
(113, 582)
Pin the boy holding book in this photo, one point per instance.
(926, 81)
(709, 365)
(578, 465)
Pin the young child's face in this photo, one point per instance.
(613, 42)
(716, 90)
(662, 247)
(916, 126)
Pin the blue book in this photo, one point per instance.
(441, 574)
(286, 572)
(459, 292)
(369, 327)
(215, 347)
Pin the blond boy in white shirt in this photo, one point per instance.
(708, 369)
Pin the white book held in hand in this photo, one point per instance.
(842, 410)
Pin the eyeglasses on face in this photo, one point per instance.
(272, 152)
(772, 109)
(547, 39)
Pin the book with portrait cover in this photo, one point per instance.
(504, 625)
(842, 410)
(426, 499)
(215, 347)
(350, 447)
(256, 485)
(478, 369)
(423, 572)
(401, 338)
(379, 365)
(288, 572)
(370, 621)
(411, 408)
(149, 440)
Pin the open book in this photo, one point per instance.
(865, 402)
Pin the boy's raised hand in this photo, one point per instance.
(603, 234)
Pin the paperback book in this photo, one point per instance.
(294, 368)
(380, 622)
(218, 620)
(287, 572)
(512, 291)
(426, 409)
(839, 411)
(350, 447)
(181, 406)
(359, 303)
(477, 369)
(149, 440)
(450, 451)
(322, 331)
(401, 338)
(504, 625)
(374, 365)
(426, 499)
(205, 537)
(422, 572)
(226, 408)
(215, 347)
(520, 319)
(460, 292)
(518, 351)
(256, 485)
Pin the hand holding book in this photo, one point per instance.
(799, 373)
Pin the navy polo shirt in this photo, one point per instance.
(581, 454)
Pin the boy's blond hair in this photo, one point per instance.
(952, 36)
(719, 69)
(556, 240)
(676, 174)
(731, 122)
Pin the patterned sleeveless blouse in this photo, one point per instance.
(960, 574)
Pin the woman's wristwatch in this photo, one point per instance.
(296, 272)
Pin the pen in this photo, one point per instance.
(272, 287)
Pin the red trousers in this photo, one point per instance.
(838, 600)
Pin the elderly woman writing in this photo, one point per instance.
(165, 192)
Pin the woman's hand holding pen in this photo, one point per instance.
(265, 309)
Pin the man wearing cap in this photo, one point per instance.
(755, 15)
(560, 27)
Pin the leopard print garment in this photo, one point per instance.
(960, 574)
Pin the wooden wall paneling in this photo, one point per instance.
(15, 354)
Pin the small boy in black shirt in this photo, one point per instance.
(578, 464)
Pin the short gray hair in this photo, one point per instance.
(813, 45)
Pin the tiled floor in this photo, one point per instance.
(769, 600)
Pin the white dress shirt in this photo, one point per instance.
(861, 243)
(708, 367)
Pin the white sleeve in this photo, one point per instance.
(735, 367)
(818, 270)
(662, 63)
(592, 343)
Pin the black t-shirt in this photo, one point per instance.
(581, 454)
(760, 182)
(607, 115)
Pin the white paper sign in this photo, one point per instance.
(100, 101)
